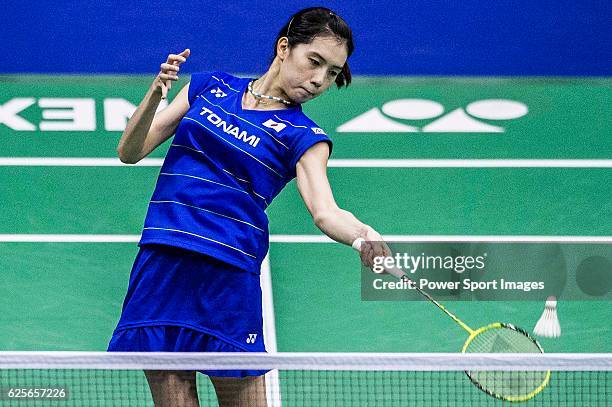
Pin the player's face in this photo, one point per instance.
(310, 69)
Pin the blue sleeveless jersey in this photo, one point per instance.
(224, 167)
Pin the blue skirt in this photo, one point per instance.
(183, 301)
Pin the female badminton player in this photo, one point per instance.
(194, 285)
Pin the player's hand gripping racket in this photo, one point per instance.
(493, 338)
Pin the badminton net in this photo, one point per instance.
(304, 379)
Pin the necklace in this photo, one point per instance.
(260, 96)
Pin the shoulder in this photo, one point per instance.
(225, 79)
(306, 134)
(302, 125)
(212, 76)
(217, 81)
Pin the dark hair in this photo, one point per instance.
(311, 22)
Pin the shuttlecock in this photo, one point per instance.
(548, 324)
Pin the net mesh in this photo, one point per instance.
(307, 379)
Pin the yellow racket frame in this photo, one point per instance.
(473, 333)
(499, 325)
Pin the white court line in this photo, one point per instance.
(91, 238)
(335, 163)
(273, 391)
(451, 238)
(75, 162)
(68, 238)
(470, 163)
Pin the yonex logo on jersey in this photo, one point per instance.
(274, 125)
(318, 130)
(385, 119)
(218, 93)
(252, 338)
(229, 128)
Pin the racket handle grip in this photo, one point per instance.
(394, 271)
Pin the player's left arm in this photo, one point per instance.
(339, 224)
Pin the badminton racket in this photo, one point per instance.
(497, 337)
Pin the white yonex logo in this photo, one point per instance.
(456, 121)
(218, 93)
(318, 130)
(252, 338)
(274, 125)
(68, 114)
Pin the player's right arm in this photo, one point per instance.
(147, 129)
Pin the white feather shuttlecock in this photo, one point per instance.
(548, 324)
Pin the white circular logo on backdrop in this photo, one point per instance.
(413, 109)
(497, 109)
(459, 120)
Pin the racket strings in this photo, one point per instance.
(507, 385)
(502, 340)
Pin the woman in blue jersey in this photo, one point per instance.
(195, 285)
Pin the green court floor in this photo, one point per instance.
(67, 296)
